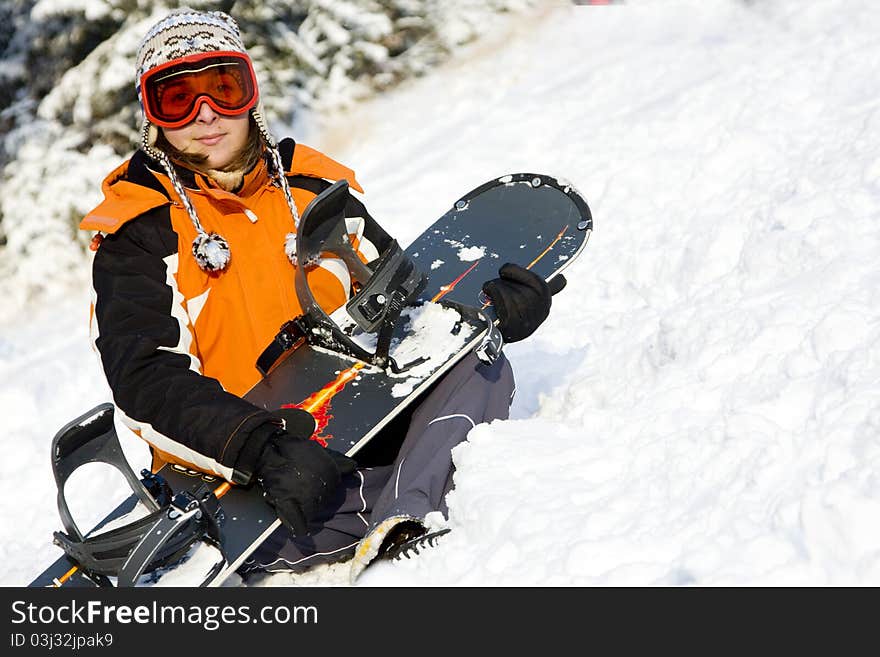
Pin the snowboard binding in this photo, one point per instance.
(174, 522)
(384, 288)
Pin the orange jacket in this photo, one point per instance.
(163, 326)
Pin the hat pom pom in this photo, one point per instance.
(211, 251)
(290, 247)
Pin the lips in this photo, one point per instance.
(210, 140)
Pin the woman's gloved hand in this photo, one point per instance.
(297, 475)
(522, 300)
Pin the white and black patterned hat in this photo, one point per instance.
(186, 32)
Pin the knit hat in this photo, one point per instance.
(186, 32)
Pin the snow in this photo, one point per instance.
(93, 9)
(431, 326)
(471, 253)
(702, 407)
(429, 336)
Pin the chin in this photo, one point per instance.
(218, 162)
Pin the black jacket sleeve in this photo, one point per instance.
(142, 337)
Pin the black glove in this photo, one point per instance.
(521, 299)
(297, 475)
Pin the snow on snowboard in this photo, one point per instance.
(416, 313)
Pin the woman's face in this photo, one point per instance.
(219, 138)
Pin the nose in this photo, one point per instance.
(206, 113)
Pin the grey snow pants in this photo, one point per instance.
(415, 484)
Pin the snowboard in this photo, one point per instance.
(534, 220)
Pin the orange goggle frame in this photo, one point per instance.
(173, 92)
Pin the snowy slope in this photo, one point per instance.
(703, 405)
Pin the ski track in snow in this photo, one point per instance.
(703, 405)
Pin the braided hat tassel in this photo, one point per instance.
(211, 250)
(280, 180)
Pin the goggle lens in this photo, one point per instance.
(172, 95)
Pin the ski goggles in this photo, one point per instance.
(173, 93)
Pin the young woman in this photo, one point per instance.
(194, 276)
